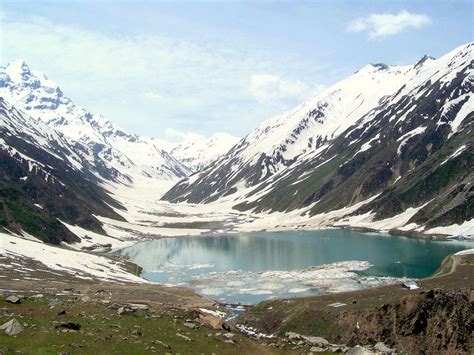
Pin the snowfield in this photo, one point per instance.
(78, 264)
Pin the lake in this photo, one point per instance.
(251, 267)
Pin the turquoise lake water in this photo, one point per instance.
(251, 267)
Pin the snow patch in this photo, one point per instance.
(78, 264)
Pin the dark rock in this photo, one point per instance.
(125, 310)
(137, 333)
(100, 293)
(70, 325)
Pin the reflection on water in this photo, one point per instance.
(254, 266)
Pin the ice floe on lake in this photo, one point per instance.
(253, 286)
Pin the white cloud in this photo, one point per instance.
(196, 86)
(266, 87)
(383, 25)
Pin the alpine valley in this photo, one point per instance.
(388, 150)
(389, 143)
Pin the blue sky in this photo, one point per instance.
(166, 68)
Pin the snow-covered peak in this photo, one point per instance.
(307, 131)
(199, 151)
(352, 114)
(426, 58)
(105, 146)
(32, 89)
(326, 115)
(18, 71)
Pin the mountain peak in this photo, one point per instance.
(373, 67)
(18, 70)
(423, 60)
(380, 66)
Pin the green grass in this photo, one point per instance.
(103, 331)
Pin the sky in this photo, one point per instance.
(167, 68)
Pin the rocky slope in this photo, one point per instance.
(41, 181)
(393, 136)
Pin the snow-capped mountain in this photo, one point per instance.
(198, 152)
(100, 146)
(382, 126)
(280, 141)
(42, 181)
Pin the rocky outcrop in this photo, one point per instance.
(432, 322)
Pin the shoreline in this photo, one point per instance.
(436, 273)
(309, 315)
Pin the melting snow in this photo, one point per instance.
(78, 264)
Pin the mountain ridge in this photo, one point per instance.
(427, 109)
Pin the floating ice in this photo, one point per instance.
(238, 284)
(201, 266)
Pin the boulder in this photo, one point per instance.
(381, 347)
(190, 325)
(315, 341)
(293, 335)
(125, 310)
(12, 327)
(139, 306)
(13, 299)
(214, 322)
(359, 350)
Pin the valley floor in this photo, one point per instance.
(147, 217)
(90, 285)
